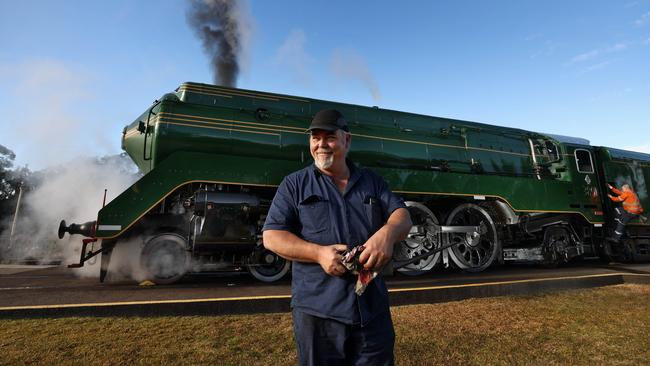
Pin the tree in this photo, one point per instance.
(10, 180)
(7, 189)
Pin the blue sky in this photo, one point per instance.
(73, 73)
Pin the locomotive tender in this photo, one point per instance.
(478, 194)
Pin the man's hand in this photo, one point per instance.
(329, 257)
(379, 247)
(378, 250)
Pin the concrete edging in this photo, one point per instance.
(281, 303)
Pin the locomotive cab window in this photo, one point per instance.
(583, 161)
(546, 152)
(552, 151)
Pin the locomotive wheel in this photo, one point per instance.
(270, 267)
(418, 243)
(556, 239)
(472, 252)
(165, 258)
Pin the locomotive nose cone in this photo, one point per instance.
(62, 228)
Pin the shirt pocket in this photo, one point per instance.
(372, 207)
(314, 214)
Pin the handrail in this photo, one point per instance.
(146, 131)
(532, 153)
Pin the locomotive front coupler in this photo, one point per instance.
(86, 229)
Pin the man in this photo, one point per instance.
(631, 209)
(317, 213)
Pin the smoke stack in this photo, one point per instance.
(220, 24)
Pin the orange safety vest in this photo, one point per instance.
(630, 201)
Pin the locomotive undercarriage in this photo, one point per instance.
(198, 228)
(210, 227)
(548, 239)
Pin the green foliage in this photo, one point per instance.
(6, 163)
(10, 180)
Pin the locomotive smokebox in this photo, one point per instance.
(85, 229)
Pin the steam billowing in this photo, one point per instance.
(51, 137)
(223, 28)
(72, 191)
(349, 65)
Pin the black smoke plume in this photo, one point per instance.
(219, 25)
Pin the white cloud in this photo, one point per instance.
(547, 50)
(598, 52)
(595, 67)
(586, 56)
(348, 64)
(643, 20)
(533, 36)
(617, 47)
(639, 148)
(292, 55)
(47, 119)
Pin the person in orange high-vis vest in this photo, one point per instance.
(631, 208)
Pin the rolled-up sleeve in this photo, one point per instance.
(389, 200)
(283, 214)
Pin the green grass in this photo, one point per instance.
(604, 326)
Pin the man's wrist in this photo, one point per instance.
(391, 231)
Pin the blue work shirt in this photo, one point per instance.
(309, 205)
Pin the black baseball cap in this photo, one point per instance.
(329, 120)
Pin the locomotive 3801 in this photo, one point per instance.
(478, 194)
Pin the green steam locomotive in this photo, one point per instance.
(478, 194)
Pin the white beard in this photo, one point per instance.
(324, 163)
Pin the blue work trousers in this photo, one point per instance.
(329, 342)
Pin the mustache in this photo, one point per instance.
(322, 150)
